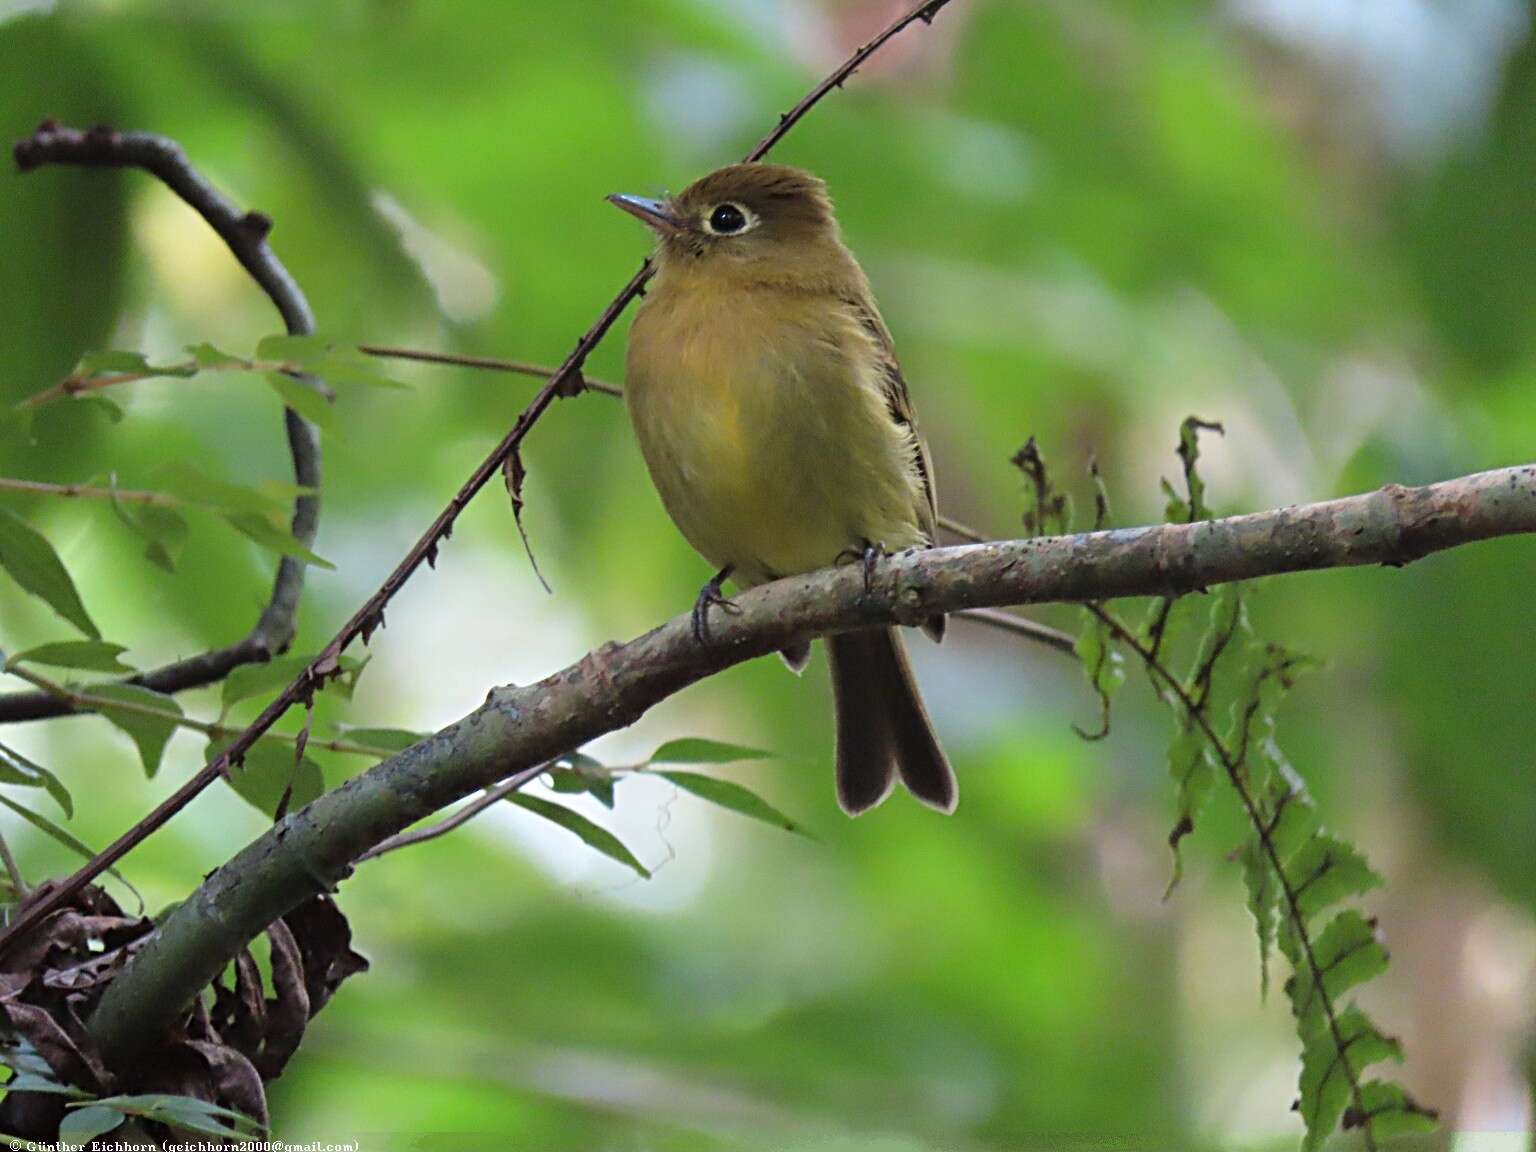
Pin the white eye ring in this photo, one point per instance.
(748, 217)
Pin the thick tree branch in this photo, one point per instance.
(519, 728)
(245, 233)
(566, 381)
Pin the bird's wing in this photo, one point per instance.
(898, 402)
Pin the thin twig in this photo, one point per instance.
(75, 385)
(515, 367)
(245, 234)
(91, 492)
(564, 382)
(487, 800)
(1016, 625)
(1001, 619)
(13, 871)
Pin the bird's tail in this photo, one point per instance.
(882, 727)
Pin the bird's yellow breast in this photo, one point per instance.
(761, 419)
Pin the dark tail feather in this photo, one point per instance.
(882, 727)
(923, 766)
(866, 766)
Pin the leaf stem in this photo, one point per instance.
(487, 800)
(96, 492)
(12, 871)
(515, 367)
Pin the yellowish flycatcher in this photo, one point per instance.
(776, 425)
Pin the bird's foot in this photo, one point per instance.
(869, 556)
(709, 597)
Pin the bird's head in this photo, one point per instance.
(767, 220)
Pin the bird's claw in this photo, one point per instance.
(869, 557)
(709, 597)
(870, 560)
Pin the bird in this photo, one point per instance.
(770, 409)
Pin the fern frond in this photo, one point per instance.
(1296, 873)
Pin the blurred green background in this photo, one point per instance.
(1084, 219)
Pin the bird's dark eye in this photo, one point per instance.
(727, 218)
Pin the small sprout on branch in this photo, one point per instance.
(513, 472)
(1191, 507)
(1047, 512)
(1100, 495)
(1103, 664)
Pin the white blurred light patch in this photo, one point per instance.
(477, 620)
(698, 105)
(465, 288)
(1431, 68)
(977, 158)
(10, 9)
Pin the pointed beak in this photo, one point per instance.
(654, 214)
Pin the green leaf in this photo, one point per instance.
(1175, 510)
(106, 406)
(729, 794)
(82, 1125)
(267, 680)
(334, 370)
(187, 1113)
(263, 532)
(149, 733)
(18, 769)
(21, 1057)
(587, 775)
(54, 831)
(1292, 819)
(1193, 769)
(394, 739)
(122, 363)
(1346, 954)
(110, 363)
(695, 750)
(195, 486)
(1189, 455)
(31, 561)
(263, 680)
(282, 493)
(32, 1082)
(86, 655)
(164, 531)
(294, 349)
(304, 400)
(266, 773)
(1390, 1112)
(1222, 645)
(1263, 898)
(1324, 871)
(1103, 664)
(592, 835)
(207, 356)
